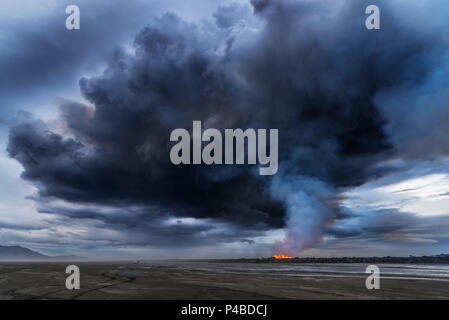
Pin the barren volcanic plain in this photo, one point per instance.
(194, 279)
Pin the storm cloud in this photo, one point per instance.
(307, 68)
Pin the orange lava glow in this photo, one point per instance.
(282, 256)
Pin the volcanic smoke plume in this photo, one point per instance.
(307, 68)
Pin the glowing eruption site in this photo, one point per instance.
(282, 256)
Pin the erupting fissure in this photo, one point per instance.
(282, 256)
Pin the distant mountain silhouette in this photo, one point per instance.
(20, 253)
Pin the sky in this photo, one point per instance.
(363, 120)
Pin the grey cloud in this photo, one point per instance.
(148, 226)
(391, 225)
(43, 58)
(230, 15)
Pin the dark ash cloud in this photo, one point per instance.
(312, 73)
